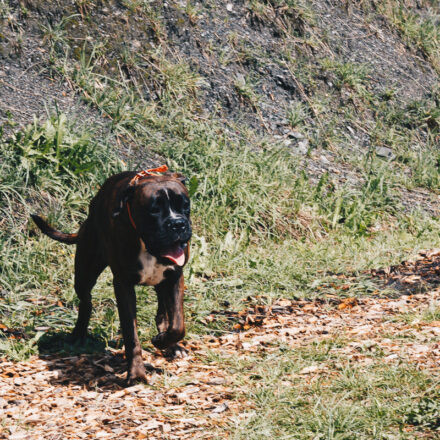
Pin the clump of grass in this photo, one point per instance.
(426, 168)
(297, 114)
(353, 75)
(359, 210)
(55, 34)
(49, 154)
(290, 17)
(424, 414)
(411, 132)
(247, 91)
(20, 349)
(5, 9)
(423, 113)
(419, 30)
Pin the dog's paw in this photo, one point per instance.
(136, 373)
(176, 352)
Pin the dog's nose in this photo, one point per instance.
(176, 225)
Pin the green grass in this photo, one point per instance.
(343, 401)
(418, 29)
(54, 169)
(261, 227)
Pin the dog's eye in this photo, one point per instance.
(185, 205)
(154, 209)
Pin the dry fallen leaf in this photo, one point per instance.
(310, 370)
(221, 408)
(348, 303)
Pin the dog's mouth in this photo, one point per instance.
(175, 253)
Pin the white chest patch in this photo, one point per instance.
(151, 273)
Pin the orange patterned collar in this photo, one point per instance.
(146, 173)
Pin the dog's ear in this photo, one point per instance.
(124, 196)
(180, 177)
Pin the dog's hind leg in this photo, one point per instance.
(88, 266)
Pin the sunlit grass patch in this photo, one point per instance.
(420, 30)
(340, 401)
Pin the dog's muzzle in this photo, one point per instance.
(178, 232)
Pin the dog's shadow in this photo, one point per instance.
(59, 343)
(90, 365)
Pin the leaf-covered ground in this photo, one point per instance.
(214, 392)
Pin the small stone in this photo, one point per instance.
(241, 80)
(296, 135)
(273, 126)
(303, 146)
(385, 152)
(229, 7)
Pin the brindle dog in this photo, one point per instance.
(139, 225)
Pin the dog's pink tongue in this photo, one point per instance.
(176, 255)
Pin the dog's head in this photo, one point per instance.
(160, 210)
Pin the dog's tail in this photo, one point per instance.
(53, 233)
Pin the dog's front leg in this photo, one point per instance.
(126, 300)
(170, 316)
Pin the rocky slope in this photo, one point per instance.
(331, 80)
